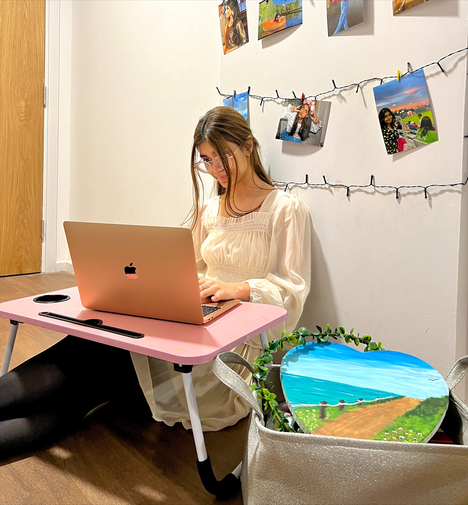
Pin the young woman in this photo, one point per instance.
(389, 131)
(299, 123)
(252, 242)
(426, 131)
(343, 21)
(234, 32)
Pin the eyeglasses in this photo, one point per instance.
(206, 166)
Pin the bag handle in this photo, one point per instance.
(457, 372)
(233, 380)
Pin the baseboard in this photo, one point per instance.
(62, 266)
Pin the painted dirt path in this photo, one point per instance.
(366, 422)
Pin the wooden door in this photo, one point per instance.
(22, 50)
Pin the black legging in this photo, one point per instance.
(45, 397)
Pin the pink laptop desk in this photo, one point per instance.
(180, 343)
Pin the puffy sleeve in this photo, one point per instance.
(287, 282)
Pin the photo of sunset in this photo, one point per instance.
(405, 113)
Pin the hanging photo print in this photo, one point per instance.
(277, 15)
(240, 103)
(405, 113)
(304, 122)
(400, 6)
(233, 24)
(343, 14)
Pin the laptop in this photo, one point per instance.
(147, 271)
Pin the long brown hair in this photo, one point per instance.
(218, 127)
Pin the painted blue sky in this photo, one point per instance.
(391, 371)
(410, 90)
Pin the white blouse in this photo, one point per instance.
(271, 251)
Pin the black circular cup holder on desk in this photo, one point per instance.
(57, 298)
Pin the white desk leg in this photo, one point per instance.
(221, 488)
(237, 470)
(264, 339)
(194, 417)
(9, 347)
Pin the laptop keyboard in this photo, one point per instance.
(209, 309)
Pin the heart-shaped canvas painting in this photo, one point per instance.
(332, 389)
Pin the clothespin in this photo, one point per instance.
(234, 94)
(248, 90)
(398, 75)
(302, 98)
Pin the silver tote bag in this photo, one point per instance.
(303, 469)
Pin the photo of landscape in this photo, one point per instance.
(278, 15)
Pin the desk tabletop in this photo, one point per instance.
(181, 343)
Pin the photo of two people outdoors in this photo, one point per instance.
(405, 113)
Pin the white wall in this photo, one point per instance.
(384, 266)
(144, 71)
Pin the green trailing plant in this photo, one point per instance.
(297, 337)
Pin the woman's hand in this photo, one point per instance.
(217, 290)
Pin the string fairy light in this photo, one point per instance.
(358, 86)
(372, 184)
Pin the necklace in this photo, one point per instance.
(242, 214)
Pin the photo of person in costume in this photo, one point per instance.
(233, 23)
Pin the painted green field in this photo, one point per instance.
(417, 424)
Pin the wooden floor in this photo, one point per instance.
(115, 458)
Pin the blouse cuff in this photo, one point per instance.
(255, 293)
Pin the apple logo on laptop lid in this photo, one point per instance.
(130, 271)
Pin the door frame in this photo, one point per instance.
(56, 169)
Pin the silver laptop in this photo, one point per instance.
(147, 271)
